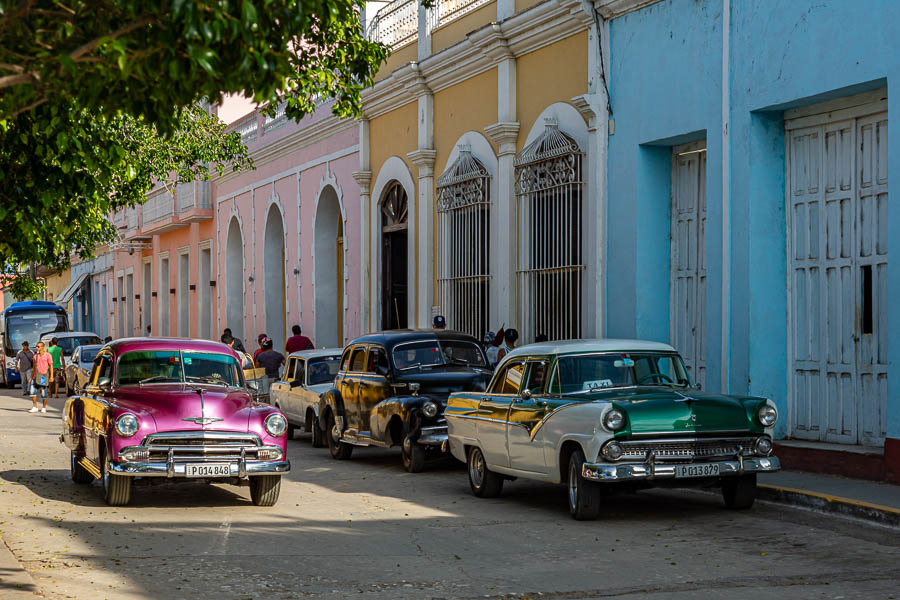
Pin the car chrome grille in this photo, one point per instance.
(201, 446)
(682, 450)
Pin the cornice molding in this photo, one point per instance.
(611, 9)
(480, 51)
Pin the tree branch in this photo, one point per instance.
(79, 52)
(11, 80)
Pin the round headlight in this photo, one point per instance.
(612, 451)
(614, 420)
(127, 425)
(276, 425)
(764, 445)
(429, 409)
(767, 415)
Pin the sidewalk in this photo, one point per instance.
(15, 582)
(857, 498)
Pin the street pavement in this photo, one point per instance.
(365, 528)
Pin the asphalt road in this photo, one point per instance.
(366, 529)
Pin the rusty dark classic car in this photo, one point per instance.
(157, 410)
(392, 388)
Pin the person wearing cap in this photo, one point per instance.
(260, 339)
(24, 365)
(269, 359)
(439, 322)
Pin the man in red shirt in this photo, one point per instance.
(297, 341)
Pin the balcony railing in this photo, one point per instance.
(448, 10)
(186, 196)
(159, 205)
(277, 120)
(248, 128)
(396, 23)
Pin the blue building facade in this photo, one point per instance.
(748, 208)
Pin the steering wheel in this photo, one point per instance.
(656, 376)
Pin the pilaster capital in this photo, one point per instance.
(587, 105)
(504, 134)
(364, 179)
(423, 158)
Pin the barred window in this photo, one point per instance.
(550, 261)
(464, 214)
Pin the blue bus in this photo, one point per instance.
(27, 321)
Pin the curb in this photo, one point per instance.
(847, 507)
(15, 582)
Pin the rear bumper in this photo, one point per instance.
(607, 472)
(241, 468)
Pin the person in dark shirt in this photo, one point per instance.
(297, 341)
(269, 359)
(238, 344)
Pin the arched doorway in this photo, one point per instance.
(273, 278)
(234, 279)
(329, 253)
(394, 282)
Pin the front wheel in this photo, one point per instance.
(116, 488)
(79, 473)
(584, 495)
(290, 431)
(413, 456)
(339, 450)
(318, 437)
(739, 492)
(484, 482)
(264, 489)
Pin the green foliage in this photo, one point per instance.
(145, 56)
(63, 171)
(23, 287)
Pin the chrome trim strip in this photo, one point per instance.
(646, 471)
(477, 418)
(435, 439)
(141, 469)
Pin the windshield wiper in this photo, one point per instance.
(157, 378)
(459, 361)
(207, 379)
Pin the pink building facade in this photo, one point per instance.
(257, 251)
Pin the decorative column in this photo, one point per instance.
(364, 179)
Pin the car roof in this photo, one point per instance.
(392, 337)
(89, 347)
(316, 353)
(123, 345)
(594, 345)
(68, 334)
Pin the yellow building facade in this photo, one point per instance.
(480, 154)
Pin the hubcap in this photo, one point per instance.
(476, 468)
(573, 486)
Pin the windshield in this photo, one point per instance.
(322, 370)
(462, 352)
(89, 354)
(68, 344)
(30, 326)
(430, 353)
(142, 367)
(600, 371)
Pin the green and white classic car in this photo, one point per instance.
(596, 413)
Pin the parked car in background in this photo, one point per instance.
(69, 340)
(78, 367)
(308, 374)
(173, 410)
(615, 413)
(392, 388)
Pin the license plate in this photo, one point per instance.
(208, 470)
(704, 470)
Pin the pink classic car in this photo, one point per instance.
(158, 410)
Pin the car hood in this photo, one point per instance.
(652, 409)
(170, 404)
(441, 383)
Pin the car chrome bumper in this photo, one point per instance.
(605, 472)
(432, 436)
(176, 469)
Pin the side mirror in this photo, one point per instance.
(382, 370)
(296, 383)
(253, 385)
(103, 383)
(526, 395)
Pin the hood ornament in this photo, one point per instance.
(203, 420)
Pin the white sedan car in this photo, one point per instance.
(308, 374)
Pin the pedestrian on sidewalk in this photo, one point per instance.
(59, 363)
(41, 377)
(510, 337)
(269, 359)
(238, 344)
(298, 341)
(24, 365)
(439, 322)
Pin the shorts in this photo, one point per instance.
(39, 390)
